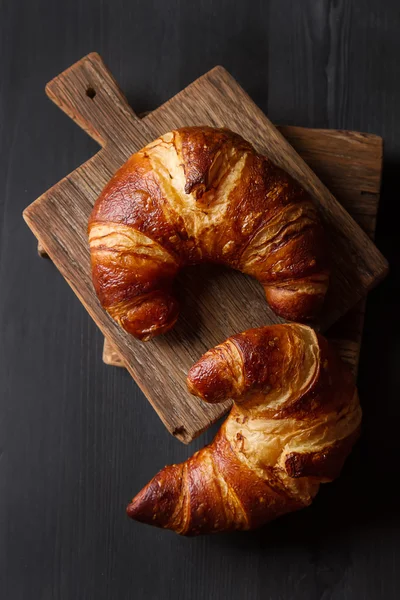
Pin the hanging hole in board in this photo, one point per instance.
(90, 92)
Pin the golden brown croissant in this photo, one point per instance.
(295, 418)
(196, 195)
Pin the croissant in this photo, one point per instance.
(194, 195)
(294, 420)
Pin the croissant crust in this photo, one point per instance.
(295, 418)
(194, 195)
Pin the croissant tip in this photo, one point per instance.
(147, 510)
(131, 509)
(208, 382)
(156, 502)
(141, 506)
(137, 511)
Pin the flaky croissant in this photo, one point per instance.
(196, 195)
(294, 421)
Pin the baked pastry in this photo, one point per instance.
(197, 195)
(295, 418)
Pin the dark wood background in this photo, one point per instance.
(77, 438)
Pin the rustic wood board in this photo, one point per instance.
(350, 165)
(215, 302)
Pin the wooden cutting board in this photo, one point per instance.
(350, 165)
(215, 302)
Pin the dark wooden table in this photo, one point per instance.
(77, 438)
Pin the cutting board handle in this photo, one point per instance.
(89, 94)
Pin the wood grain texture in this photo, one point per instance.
(88, 93)
(77, 438)
(350, 165)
